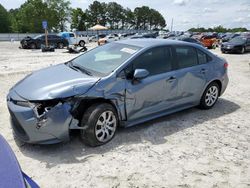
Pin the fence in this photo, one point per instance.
(20, 36)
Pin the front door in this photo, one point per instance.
(155, 93)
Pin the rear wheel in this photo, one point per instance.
(82, 43)
(100, 122)
(210, 96)
(60, 45)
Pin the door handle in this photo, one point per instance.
(171, 79)
(203, 71)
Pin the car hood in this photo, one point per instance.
(58, 81)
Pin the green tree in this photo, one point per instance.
(78, 19)
(146, 18)
(30, 16)
(156, 20)
(114, 14)
(96, 13)
(129, 19)
(14, 20)
(59, 11)
(5, 25)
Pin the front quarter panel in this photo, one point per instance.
(110, 88)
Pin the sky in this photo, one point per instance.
(185, 13)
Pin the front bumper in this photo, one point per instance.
(52, 128)
(230, 49)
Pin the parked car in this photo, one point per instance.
(230, 36)
(73, 39)
(108, 38)
(39, 40)
(237, 44)
(189, 39)
(11, 174)
(122, 83)
(209, 41)
(143, 36)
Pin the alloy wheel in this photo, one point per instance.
(105, 126)
(211, 95)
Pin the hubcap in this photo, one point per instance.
(105, 126)
(211, 95)
(60, 45)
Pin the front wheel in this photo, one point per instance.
(33, 46)
(210, 96)
(99, 122)
(242, 50)
(82, 43)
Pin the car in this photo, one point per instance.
(122, 83)
(237, 44)
(38, 41)
(73, 39)
(11, 174)
(230, 36)
(189, 39)
(209, 41)
(107, 39)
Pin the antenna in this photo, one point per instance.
(172, 23)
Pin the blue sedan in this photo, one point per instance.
(119, 84)
(11, 174)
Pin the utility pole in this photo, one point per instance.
(172, 23)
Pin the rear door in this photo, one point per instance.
(191, 74)
(154, 93)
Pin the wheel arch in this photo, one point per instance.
(84, 104)
(81, 41)
(216, 81)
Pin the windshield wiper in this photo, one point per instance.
(77, 67)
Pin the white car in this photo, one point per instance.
(79, 40)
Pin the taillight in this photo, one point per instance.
(225, 65)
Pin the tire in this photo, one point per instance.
(99, 122)
(32, 46)
(60, 45)
(210, 96)
(242, 50)
(82, 43)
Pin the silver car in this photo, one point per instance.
(119, 84)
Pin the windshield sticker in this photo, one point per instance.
(128, 50)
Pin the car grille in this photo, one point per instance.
(18, 129)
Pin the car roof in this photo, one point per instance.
(145, 43)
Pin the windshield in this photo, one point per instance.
(238, 40)
(38, 36)
(104, 59)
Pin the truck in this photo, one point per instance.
(74, 39)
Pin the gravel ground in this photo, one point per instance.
(192, 148)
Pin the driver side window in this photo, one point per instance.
(155, 61)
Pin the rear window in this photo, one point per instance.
(203, 57)
(186, 56)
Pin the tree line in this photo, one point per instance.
(218, 29)
(60, 16)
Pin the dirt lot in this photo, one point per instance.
(192, 148)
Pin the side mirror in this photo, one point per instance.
(140, 74)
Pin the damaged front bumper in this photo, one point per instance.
(37, 123)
